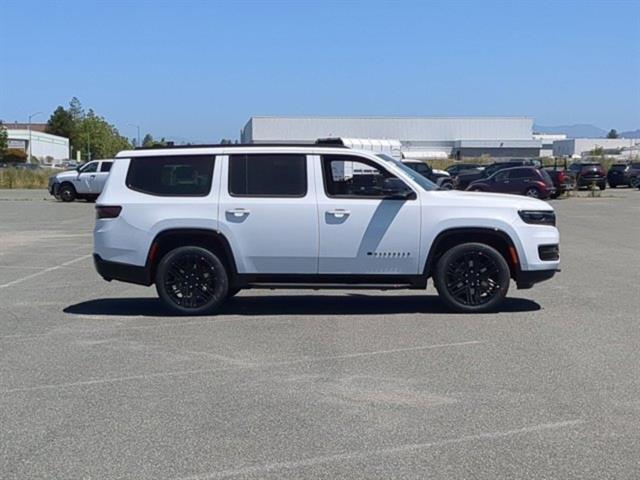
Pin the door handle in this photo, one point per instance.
(93, 176)
(238, 212)
(339, 213)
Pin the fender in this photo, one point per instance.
(469, 233)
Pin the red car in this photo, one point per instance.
(530, 181)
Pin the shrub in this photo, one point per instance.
(15, 155)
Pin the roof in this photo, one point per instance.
(222, 149)
(36, 127)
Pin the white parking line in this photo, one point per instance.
(401, 449)
(46, 270)
(99, 381)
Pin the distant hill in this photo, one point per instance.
(631, 134)
(573, 131)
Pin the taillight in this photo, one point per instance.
(562, 177)
(104, 211)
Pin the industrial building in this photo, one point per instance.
(422, 137)
(575, 147)
(547, 139)
(45, 147)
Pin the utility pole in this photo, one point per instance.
(29, 149)
(138, 128)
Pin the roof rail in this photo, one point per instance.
(243, 145)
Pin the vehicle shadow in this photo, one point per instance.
(265, 305)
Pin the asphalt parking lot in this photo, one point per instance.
(97, 381)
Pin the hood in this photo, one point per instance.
(483, 199)
(66, 174)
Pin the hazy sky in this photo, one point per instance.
(199, 70)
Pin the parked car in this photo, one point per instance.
(634, 174)
(563, 179)
(85, 182)
(439, 177)
(589, 173)
(296, 216)
(455, 169)
(530, 181)
(464, 179)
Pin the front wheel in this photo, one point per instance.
(472, 278)
(67, 193)
(192, 281)
(532, 192)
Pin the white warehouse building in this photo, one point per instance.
(581, 146)
(424, 136)
(44, 146)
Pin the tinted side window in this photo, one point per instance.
(268, 175)
(348, 176)
(89, 168)
(180, 175)
(520, 173)
(105, 166)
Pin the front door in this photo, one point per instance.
(86, 175)
(268, 213)
(364, 229)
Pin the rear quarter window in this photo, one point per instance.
(179, 175)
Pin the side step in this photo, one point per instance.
(334, 286)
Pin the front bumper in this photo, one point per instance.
(527, 279)
(53, 188)
(122, 271)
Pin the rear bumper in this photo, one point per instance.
(586, 181)
(527, 279)
(122, 271)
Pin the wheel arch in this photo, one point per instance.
(494, 237)
(169, 239)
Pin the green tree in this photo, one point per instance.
(96, 138)
(147, 141)
(613, 133)
(4, 140)
(61, 123)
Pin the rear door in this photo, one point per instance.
(362, 230)
(268, 213)
(519, 179)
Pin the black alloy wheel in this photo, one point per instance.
(192, 281)
(472, 277)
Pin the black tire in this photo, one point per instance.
(192, 281)
(447, 186)
(458, 267)
(634, 182)
(67, 193)
(555, 195)
(602, 187)
(532, 192)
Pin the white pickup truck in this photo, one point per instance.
(86, 181)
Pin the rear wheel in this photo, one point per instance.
(192, 281)
(472, 278)
(67, 193)
(532, 192)
(634, 182)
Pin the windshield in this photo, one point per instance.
(423, 182)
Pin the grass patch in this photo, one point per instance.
(19, 178)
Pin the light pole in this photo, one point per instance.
(138, 128)
(30, 117)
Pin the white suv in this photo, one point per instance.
(203, 223)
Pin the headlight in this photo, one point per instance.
(538, 217)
